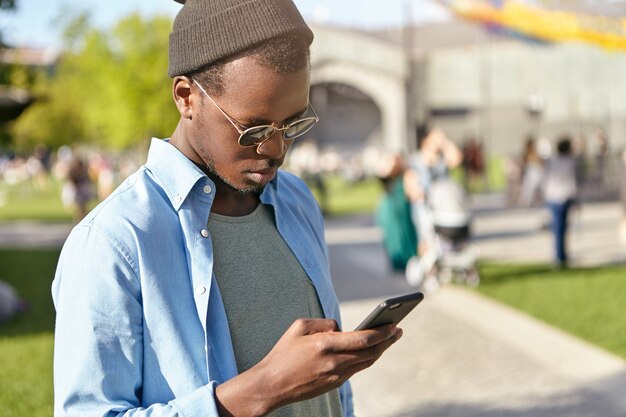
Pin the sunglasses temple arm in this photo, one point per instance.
(232, 122)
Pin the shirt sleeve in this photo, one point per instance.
(98, 355)
(345, 394)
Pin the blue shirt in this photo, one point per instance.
(141, 328)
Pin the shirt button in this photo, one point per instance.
(207, 189)
(204, 233)
(200, 289)
(178, 198)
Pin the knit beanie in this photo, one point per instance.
(209, 31)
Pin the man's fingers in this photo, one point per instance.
(346, 364)
(371, 353)
(311, 326)
(362, 339)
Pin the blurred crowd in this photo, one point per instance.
(557, 174)
(597, 168)
(83, 175)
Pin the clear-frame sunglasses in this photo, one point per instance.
(256, 135)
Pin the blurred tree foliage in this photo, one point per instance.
(7, 4)
(110, 88)
(6, 70)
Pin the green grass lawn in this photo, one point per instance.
(343, 197)
(589, 303)
(26, 342)
(25, 202)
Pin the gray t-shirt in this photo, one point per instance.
(264, 289)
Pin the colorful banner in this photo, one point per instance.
(548, 25)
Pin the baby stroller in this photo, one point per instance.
(445, 227)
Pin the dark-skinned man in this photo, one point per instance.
(201, 286)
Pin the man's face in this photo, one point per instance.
(253, 95)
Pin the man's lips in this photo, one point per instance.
(264, 171)
(262, 175)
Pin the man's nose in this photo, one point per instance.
(273, 147)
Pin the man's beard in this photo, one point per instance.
(252, 189)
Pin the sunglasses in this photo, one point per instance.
(256, 135)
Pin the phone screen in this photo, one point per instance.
(390, 311)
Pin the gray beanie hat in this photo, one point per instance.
(208, 31)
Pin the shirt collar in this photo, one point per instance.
(178, 175)
(173, 170)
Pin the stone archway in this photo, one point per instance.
(388, 95)
(349, 119)
(375, 68)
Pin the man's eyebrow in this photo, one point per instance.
(251, 122)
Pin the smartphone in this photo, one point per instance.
(391, 311)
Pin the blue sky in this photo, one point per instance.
(36, 23)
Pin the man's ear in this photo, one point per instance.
(181, 92)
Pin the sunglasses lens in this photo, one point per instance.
(299, 128)
(255, 135)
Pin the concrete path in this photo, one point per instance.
(465, 355)
(28, 234)
(521, 235)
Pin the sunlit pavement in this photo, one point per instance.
(462, 354)
(465, 355)
(29, 234)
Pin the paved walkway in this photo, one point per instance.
(463, 355)
(29, 234)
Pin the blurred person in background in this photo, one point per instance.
(601, 154)
(10, 303)
(41, 166)
(622, 182)
(436, 155)
(473, 163)
(513, 175)
(306, 162)
(532, 174)
(560, 192)
(77, 192)
(201, 286)
(579, 146)
(101, 169)
(393, 213)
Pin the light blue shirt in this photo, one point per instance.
(141, 328)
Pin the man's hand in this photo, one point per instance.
(311, 358)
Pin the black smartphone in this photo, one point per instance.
(391, 311)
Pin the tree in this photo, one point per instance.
(110, 89)
(7, 4)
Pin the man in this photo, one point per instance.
(201, 286)
(561, 194)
